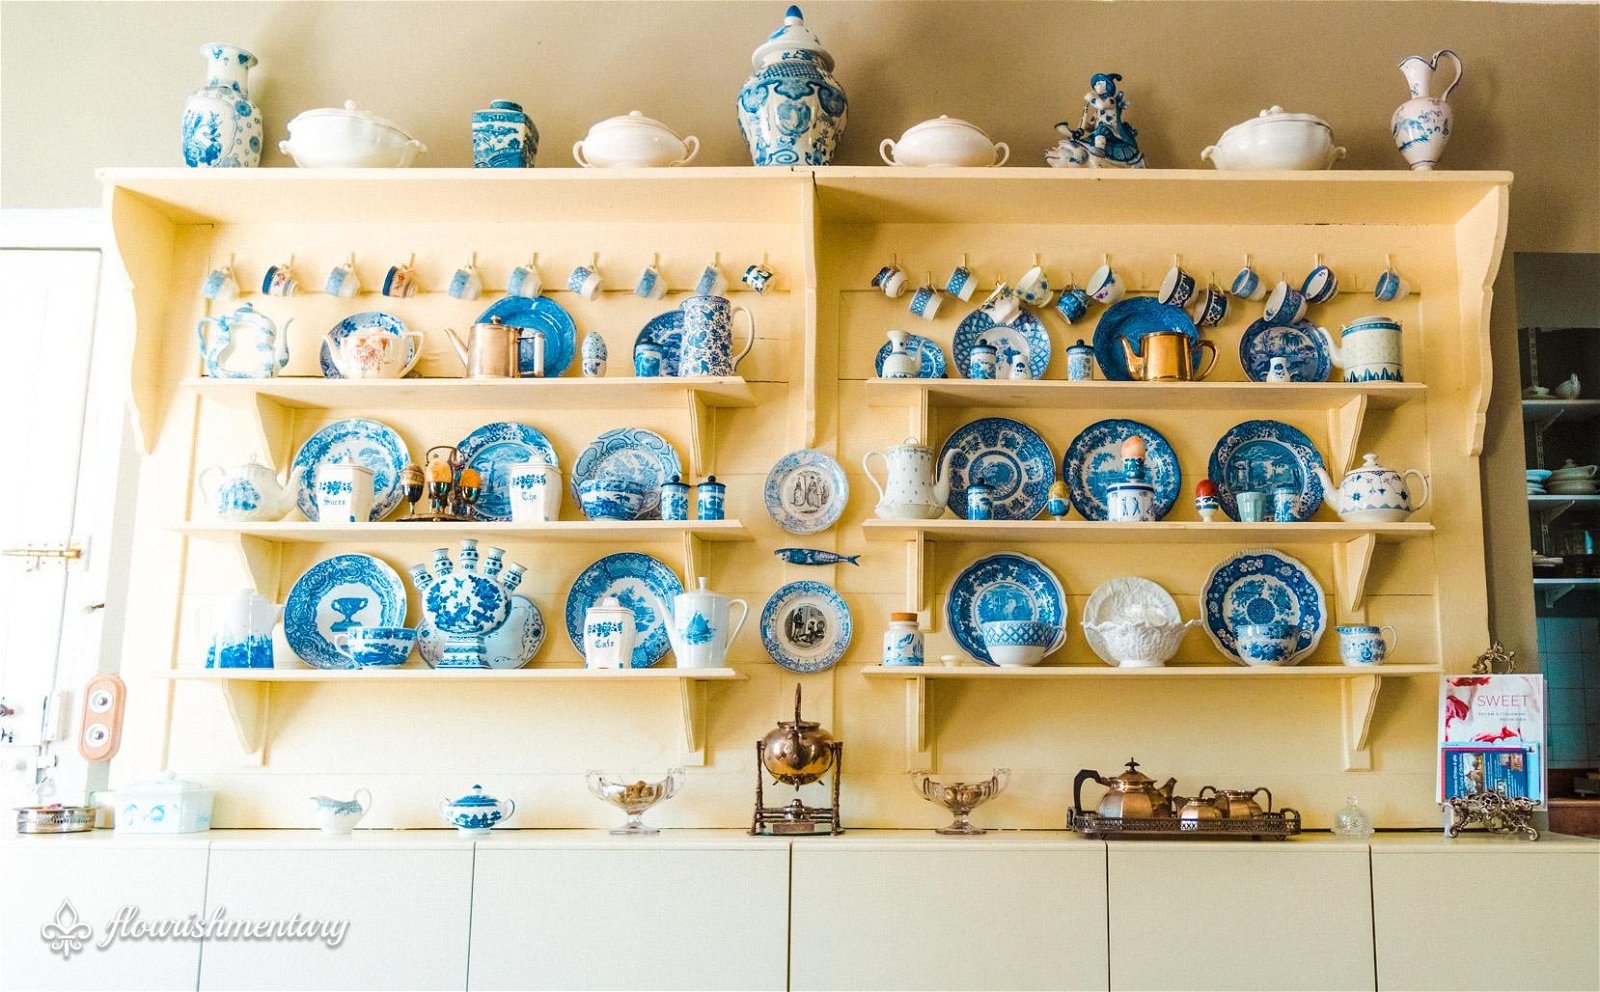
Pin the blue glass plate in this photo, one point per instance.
(541, 314)
(806, 626)
(1132, 319)
(666, 330)
(1264, 586)
(930, 357)
(1024, 335)
(334, 595)
(1094, 460)
(806, 491)
(642, 584)
(1011, 457)
(1299, 342)
(512, 645)
(1264, 455)
(634, 455)
(1006, 586)
(362, 442)
(364, 321)
(492, 449)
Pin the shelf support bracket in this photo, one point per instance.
(1549, 514)
(692, 695)
(259, 557)
(1352, 560)
(1553, 594)
(1358, 699)
(1344, 433)
(691, 559)
(249, 705)
(702, 425)
(919, 742)
(919, 596)
(918, 415)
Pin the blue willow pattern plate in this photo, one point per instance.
(1094, 460)
(1131, 319)
(666, 330)
(630, 454)
(806, 626)
(1299, 342)
(511, 645)
(334, 595)
(492, 449)
(806, 491)
(1264, 455)
(1011, 457)
(930, 357)
(359, 322)
(639, 582)
(1006, 586)
(541, 314)
(1264, 586)
(1023, 336)
(359, 441)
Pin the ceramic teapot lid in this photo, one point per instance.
(793, 36)
(633, 120)
(477, 797)
(1277, 115)
(945, 123)
(349, 110)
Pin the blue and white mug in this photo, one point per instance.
(1105, 286)
(1391, 287)
(585, 281)
(524, 282)
(1285, 304)
(892, 280)
(1034, 287)
(980, 501)
(220, 286)
(925, 302)
(1130, 502)
(1320, 285)
(1073, 304)
(1277, 369)
(1210, 307)
(400, 281)
(961, 283)
(706, 347)
(1364, 644)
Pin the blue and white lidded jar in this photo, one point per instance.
(1285, 506)
(608, 635)
(709, 497)
(902, 642)
(674, 499)
(594, 354)
(503, 137)
(980, 501)
(646, 359)
(1128, 502)
(535, 490)
(1080, 361)
(792, 109)
(981, 361)
(221, 126)
(1364, 644)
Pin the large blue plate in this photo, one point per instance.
(642, 584)
(1132, 319)
(666, 330)
(1299, 342)
(1011, 456)
(1264, 455)
(806, 491)
(634, 455)
(930, 357)
(364, 321)
(1006, 586)
(1094, 460)
(806, 626)
(363, 442)
(1024, 335)
(1264, 586)
(368, 593)
(542, 314)
(492, 449)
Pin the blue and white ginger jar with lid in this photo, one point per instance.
(792, 109)
(221, 126)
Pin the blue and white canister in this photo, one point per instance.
(981, 361)
(646, 359)
(1364, 644)
(674, 499)
(980, 501)
(1080, 359)
(902, 642)
(1285, 506)
(709, 499)
(1129, 502)
(503, 137)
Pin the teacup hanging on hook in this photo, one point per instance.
(585, 280)
(342, 280)
(401, 280)
(1391, 286)
(466, 283)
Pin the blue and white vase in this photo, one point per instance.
(503, 137)
(792, 109)
(221, 126)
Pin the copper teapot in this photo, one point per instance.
(799, 751)
(1131, 795)
(1237, 804)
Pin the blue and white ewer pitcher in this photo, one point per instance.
(706, 347)
(243, 344)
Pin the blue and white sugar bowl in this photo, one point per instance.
(475, 813)
(1364, 644)
(710, 499)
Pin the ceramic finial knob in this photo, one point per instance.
(793, 15)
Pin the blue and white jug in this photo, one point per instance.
(706, 347)
(240, 630)
(792, 109)
(221, 126)
(700, 627)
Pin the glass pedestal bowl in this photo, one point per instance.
(960, 798)
(634, 797)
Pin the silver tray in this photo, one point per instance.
(54, 819)
(1275, 825)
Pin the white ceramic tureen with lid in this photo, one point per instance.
(634, 141)
(347, 138)
(944, 141)
(1275, 139)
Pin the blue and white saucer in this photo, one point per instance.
(1006, 586)
(1263, 456)
(1093, 461)
(630, 454)
(492, 449)
(511, 645)
(354, 441)
(1299, 342)
(1011, 457)
(930, 357)
(806, 626)
(1131, 319)
(334, 595)
(666, 330)
(806, 491)
(360, 323)
(639, 582)
(1024, 336)
(539, 314)
(1263, 585)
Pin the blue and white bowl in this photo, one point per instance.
(610, 499)
(376, 647)
(1265, 644)
(1017, 643)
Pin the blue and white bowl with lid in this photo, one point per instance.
(476, 812)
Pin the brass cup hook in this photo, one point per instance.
(410, 262)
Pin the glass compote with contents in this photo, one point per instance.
(634, 797)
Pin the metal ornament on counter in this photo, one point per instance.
(1499, 814)
(798, 753)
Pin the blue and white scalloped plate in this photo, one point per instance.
(639, 582)
(334, 595)
(1024, 336)
(1011, 457)
(1006, 586)
(540, 314)
(1093, 461)
(930, 357)
(806, 491)
(492, 449)
(630, 454)
(806, 626)
(1299, 342)
(1131, 319)
(353, 441)
(359, 323)
(666, 330)
(1263, 456)
(1264, 585)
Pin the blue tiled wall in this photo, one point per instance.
(1569, 655)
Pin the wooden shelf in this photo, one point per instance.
(1551, 507)
(1567, 411)
(1552, 590)
(1160, 532)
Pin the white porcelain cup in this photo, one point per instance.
(711, 282)
(892, 280)
(1105, 286)
(524, 282)
(1034, 287)
(466, 283)
(1002, 304)
(344, 494)
(585, 281)
(342, 282)
(652, 285)
(220, 286)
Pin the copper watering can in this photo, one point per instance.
(1168, 356)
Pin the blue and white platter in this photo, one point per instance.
(639, 582)
(1011, 457)
(1299, 342)
(1006, 586)
(1262, 456)
(540, 314)
(511, 645)
(1094, 460)
(1024, 336)
(1263, 585)
(360, 323)
(492, 449)
(806, 491)
(334, 595)
(354, 441)
(630, 454)
(930, 357)
(666, 330)
(1132, 319)
(806, 626)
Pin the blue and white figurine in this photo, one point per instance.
(675, 499)
(221, 126)
(1102, 139)
(503, 137)
(816, 556)
(1364, 644)
(710, 499)
(792, 109)
(902, 642)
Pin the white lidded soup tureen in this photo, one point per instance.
(347, 138)
(1275, 139)
(944, 141)
(634, 141)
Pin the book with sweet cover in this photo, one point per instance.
(1491, 736)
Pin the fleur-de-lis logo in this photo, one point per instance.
(66, 933)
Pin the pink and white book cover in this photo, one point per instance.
(1495, 711)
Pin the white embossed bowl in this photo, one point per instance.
(1144, 643)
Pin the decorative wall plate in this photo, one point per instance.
(1006, 586)
(634, 455)
(639, 582)
(1299, 342)
(1011, 457)
(334, 595)
(806, 626)
(1264, 585)
(353, 441)
(359, 323)
(539, 314)
(1132, 319)
(1264, 455)
(806, 491)
(1094, 460)
(930, 357)
(512, 645)
(666, 330)
(1024, 335)
(1118, 599)
(492, 449)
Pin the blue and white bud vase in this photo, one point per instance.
(221, 127)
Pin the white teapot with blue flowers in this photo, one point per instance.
(243, 344)
(1374, 494)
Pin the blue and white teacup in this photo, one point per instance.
(981, 361)
(1073, 304)
(710, 499)
(524, 281)
(279, 280)
(1320, 285)
(892, 280)
(400, 281)
(1080, 359)
(652, 285)
(585, 281)
(711, 282)
(1002, 304)
(1177, 287)
(1285, 304)
(647, 359)
(1248, 286)
(1034, 287)
(706, 347)
(220, 286)
(757, 277)
(1266, 643)
(1105, 286)
(610, 499)
(376, 647)
(925, 302)
(1391, 287)
(1210, 307)
(674, 499)
(1252, 506)
(342, 281)
(1277, 369)
(961, 283)
(466, 283)
(1285, 506)
(1364, 644)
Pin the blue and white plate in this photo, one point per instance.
(540, 314)
(1262, 456)
(1131, 319)
(1094, 460)
(1299, 342)
(353, 441)
(666, 330)
(361, 323)
(1264, 586)
(806, 626)
(806, 491)
(630, 454)
(1011, 457)
(639, 582)
(1023, 336)
(492, 449)
(511, 645)
(1006, 586)
(334, 595)
(930, 357)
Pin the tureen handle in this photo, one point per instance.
(1208, 151)
(1005, 153)
(577, 155)
(693, 144)
(885, 147)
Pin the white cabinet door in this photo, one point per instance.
(88, 882)
(408, 910)
(997, 915)
(630, 918)
(1240, 915)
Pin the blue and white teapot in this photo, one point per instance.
(1374, 494)
(476, 812)
(243, 345)
(248, 492)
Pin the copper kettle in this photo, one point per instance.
(799, 751)
(1131, 795)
